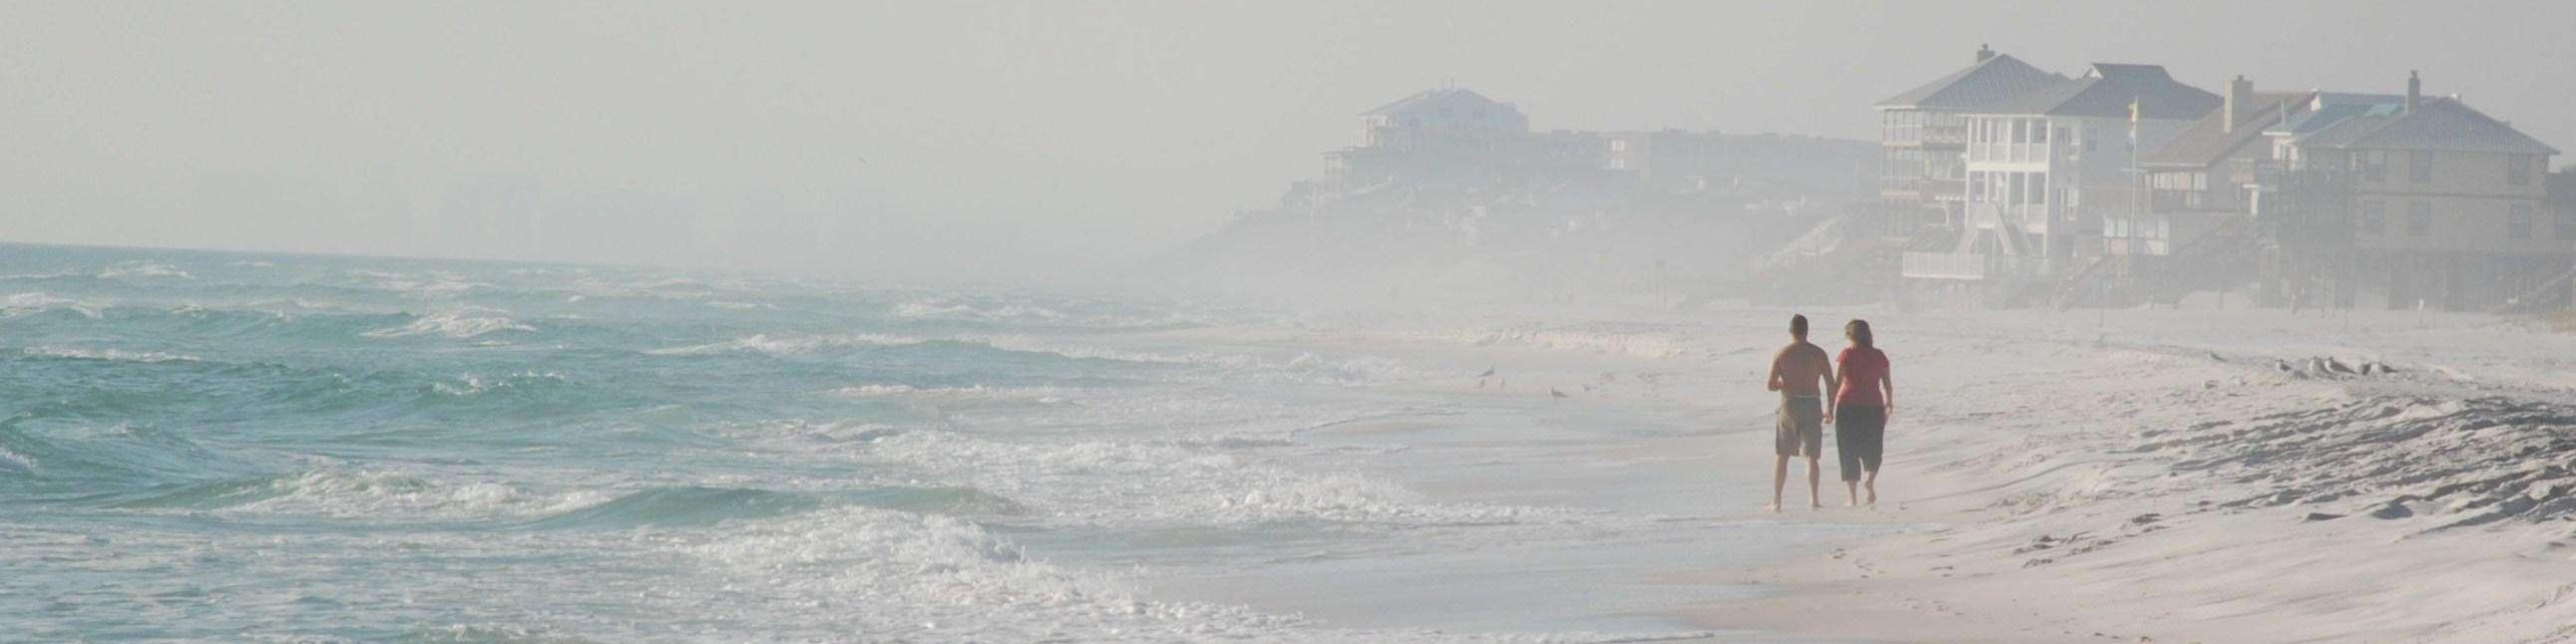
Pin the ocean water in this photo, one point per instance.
(240, 447)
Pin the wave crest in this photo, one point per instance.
(789, 345)
(106, 355)
(30, 303)
(459, 325)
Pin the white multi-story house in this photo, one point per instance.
(1923, 133)
(2045, 169)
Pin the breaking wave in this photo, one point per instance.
(789, 345)
(23, 304)
(460, 325)
(1125, 482)
(143, 270)
(106, 355)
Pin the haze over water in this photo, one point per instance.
(229, 446)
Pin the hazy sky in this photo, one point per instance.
(1001, 140)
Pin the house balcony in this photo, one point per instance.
(1912, 187)
(2170, 201)
(2008, 152)
(2136, 246)
(1971, 266)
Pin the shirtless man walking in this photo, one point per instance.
(1797, 373)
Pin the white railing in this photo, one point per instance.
(1968, 266)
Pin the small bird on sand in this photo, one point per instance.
(1553, 393)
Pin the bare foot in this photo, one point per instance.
(1873, 492)
(1774, 506)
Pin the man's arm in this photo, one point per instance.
(1773, 382)
(1825, 370)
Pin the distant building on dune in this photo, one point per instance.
(1458, 138)
(1446, 133)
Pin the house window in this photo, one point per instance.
(2373, 164)
(2518, 224)
(2517, 170)
(2419, 166)
(2419, 218)
(2566, 224)
(2374, 217)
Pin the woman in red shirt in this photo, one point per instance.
(1863, 394)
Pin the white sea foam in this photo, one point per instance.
(38, 302)
(901, 576)
(470, 384)
(68, 272)
(944, 308)
(436, 285)
(143, 269)
(789, 345)
(110, 355)
(1061, 349)
(458, 324)
(1044, 395)
(1304, 368)
(13, 461)
(386, 494)
(1121, 482)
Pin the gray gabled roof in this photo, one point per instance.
(1988, 82)
(2443, 124)
(1430, 96)
(2209, 141)
(2329, 109)
(2108, 89)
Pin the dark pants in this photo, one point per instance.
(1860, 433)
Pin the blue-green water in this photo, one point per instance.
(227, 447)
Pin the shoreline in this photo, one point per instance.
(1664, 476)
(2050, 481)
(2153, 486)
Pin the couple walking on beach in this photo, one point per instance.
(1856, 396)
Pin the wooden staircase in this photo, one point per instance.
(2550, 292)
(2218, 259)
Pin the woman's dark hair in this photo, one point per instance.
(1859, 332)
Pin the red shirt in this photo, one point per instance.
(1859, 370)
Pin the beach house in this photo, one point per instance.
(2420, 201)
(1923, 135)
(2044, 170)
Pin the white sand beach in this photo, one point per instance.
(2135, 476)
